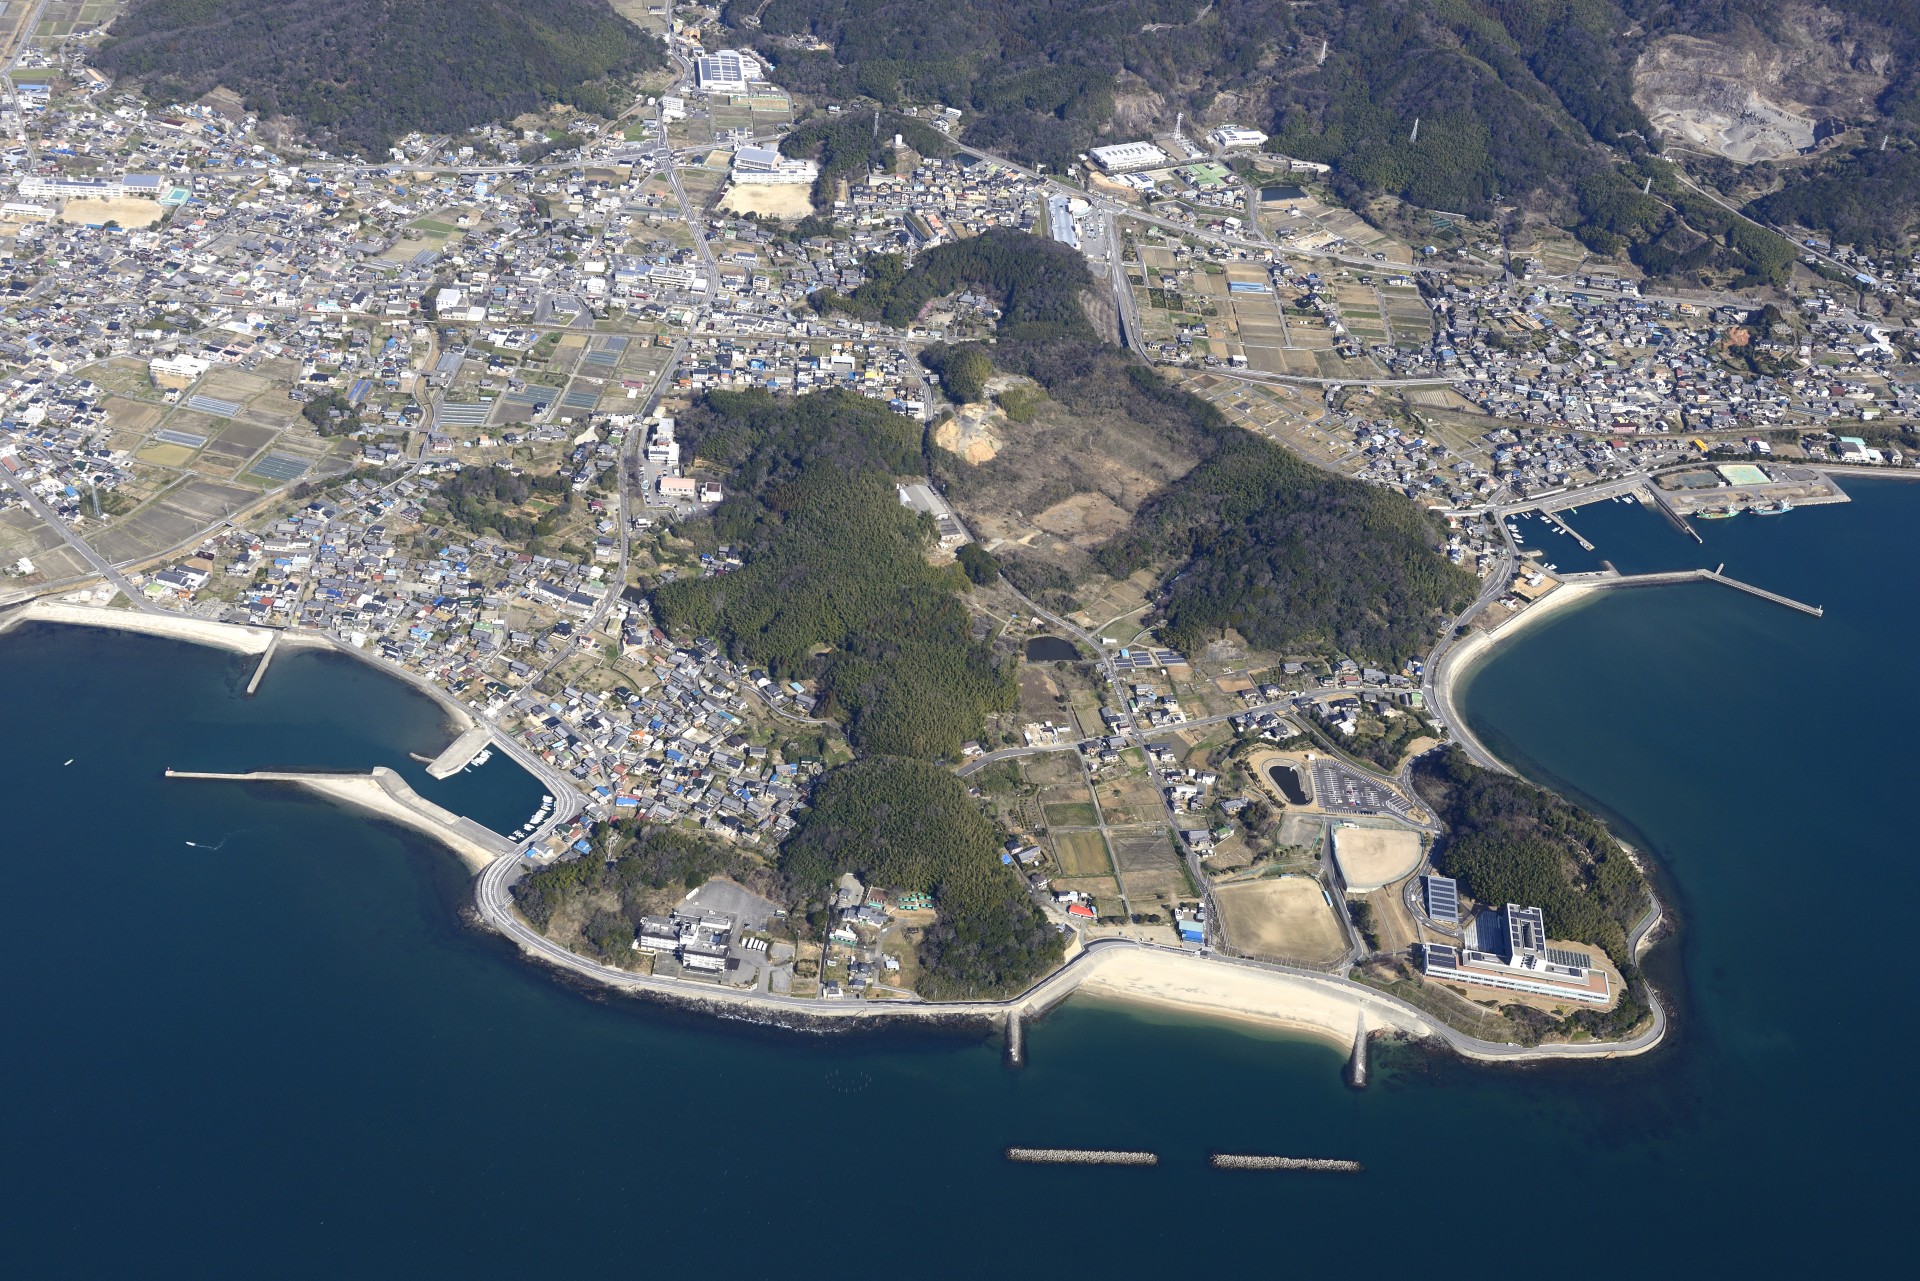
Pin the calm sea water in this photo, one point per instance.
(286, 1056)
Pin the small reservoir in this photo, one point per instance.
(1287, 779)
(1051, 649)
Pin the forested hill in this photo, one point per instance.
(357, 73)
(836, 582)
(1517, 99)
(1252, 538)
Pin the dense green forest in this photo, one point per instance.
(642, 869)
(911, 826)
(836, 582)
(1511, 842)
(1254, 539)
(360, 72)
(1869, 198)
(480, 498)
(1294, 558)
(1511, 94)
(1518, 100)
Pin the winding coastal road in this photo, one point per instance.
(493, 897)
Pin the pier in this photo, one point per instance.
(460, 752)
(1016, 1039)
(1566, 529)
(260, 669)
(1357, 1065)
(1666, 578)
(1667, 509)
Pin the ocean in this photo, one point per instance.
(279, 1050)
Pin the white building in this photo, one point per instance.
(144, 186)
(726, 72)
(177, 371)
(764, 165)
(1517, 959)
(1129, 155)
(1227, 137)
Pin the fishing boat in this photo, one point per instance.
(1716, 513)
(1774, 509)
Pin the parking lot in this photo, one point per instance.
(1341, 790)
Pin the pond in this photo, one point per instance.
(1287, 779)
(1051, 649)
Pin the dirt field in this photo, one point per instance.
(1150, 867)
(1370, 857)
(1284, 919)
(769, 199)
(128, 213)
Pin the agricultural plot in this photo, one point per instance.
(1149, 866)
(1081, 854)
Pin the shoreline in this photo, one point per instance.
(384, 793)
(1322, 1008)
(1458, 663)
(233, 637)
(238, 638)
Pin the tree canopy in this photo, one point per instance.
(911, 826)
(836, 582)
(360, 72)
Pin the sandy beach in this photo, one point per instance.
(1214, 989)
(229, 636)
(1460, 660)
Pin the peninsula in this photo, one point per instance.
(934, 556)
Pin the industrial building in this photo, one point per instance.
(1508, 950)
(1227, 137)
(725, 71)
(1129, 155)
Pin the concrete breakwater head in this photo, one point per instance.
(385, 793)
(1080, 1156)
(1233, 1161)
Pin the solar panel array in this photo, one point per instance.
(581, 398)
(214, 405)
(187, 438)
(1443, 899)
(452, 414)
(281, 467)
(1575, 960)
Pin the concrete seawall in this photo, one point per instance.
(200, 631)
(385, 793)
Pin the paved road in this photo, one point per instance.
(99, 564)
(494, 900)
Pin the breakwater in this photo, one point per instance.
(260, 671)
(1238, 1161)
(1079, 1156)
